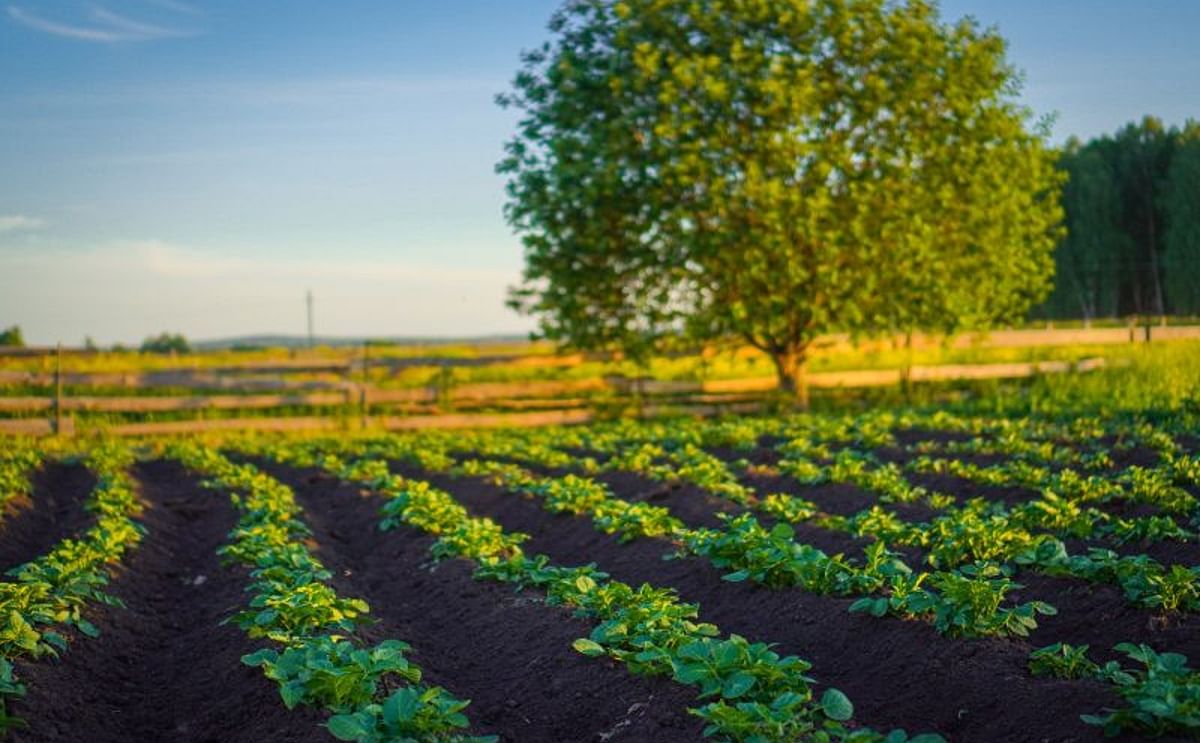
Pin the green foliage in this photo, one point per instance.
(294, 607)
(762, 697)
(333, 674)
(1181, 204)
(9, 687)
(1163, 698)
(408, 716)
(1065, 661)
(1133, 227)
(771, 172)
(51, 592)
(12, 336)
(966, 603)
(168, 343)
(18, 460)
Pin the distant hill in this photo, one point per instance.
(301, 341)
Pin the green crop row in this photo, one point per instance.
(756, 694)
(1025, 535)
(1162, 695)
(979, 531)
(967, 602)
(318, 662)
(963, 603)
(18, 461)
(46, 596)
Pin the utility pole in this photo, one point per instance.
(309, 302)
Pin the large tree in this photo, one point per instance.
(770, 170)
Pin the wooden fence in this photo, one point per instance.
(520, 404)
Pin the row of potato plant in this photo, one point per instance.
(757, 696)
(977, 532)
(44, 598)
(19, 458)
(1026, 535)
(1163, 696)
(967, 602)
(319, 663)
(1162, 693)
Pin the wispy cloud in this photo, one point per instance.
(15, 222)
(103, 26)
(177, 6)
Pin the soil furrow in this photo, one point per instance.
(507, 652)
(898, 673)
(164, 668)
(55, 511)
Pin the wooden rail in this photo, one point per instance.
(536, 403)
(534, 394)
(268, 375)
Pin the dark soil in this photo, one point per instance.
(690, 504)
(507, 652)
(1098, 615)
(164, 668)
(898, 673)
(55, 511)
(1168, 551)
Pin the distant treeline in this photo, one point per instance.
(1132, 206)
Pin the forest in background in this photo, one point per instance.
(1132, 205)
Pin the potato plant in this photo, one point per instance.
(321, 663)
(648, 629)
(50, 593)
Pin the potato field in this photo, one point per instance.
(1015, 567)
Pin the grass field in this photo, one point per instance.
(993, 562)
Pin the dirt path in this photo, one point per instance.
(164, 668)
(507, 652)
(55, 511)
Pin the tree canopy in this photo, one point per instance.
(1133, 224)
(772, 170)
(12, 336)
(166, 343)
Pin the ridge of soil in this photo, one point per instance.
(1097, 614)
(164, 668)
(507, 652)
(897, 673)
(55, 511)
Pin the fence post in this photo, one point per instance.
(362, 396)
(58, 391)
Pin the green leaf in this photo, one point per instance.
(292, 693)
(588, 647)
(259, 657)
(737, 685)
(836, 705)
(346, 727)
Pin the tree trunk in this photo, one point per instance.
(906, 369)
(791, 366)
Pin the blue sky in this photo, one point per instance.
(175, 164)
